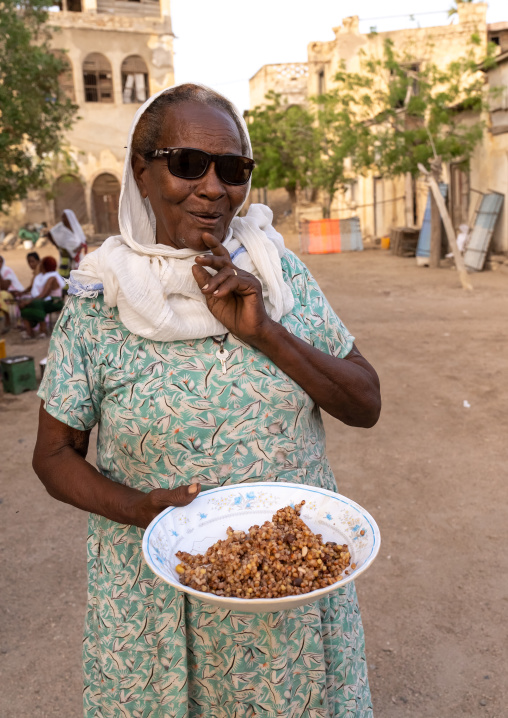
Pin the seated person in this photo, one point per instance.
(9, 285)
(47, 293)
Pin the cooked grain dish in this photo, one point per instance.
(283, 557)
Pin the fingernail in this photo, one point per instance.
(200, 256)
(206, 286)
(193, 489)
(216, 291)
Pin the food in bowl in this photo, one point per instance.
(283, 557)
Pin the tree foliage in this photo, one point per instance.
(34, 111)
(283, 141)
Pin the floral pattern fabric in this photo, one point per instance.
(167, 414)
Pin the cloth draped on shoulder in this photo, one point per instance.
(152, 284)
(9, 275)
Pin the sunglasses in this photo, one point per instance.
(189, 163)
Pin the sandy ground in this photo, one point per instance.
(432, 472)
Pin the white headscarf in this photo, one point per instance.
(75, 225)
(10, 275)
(152, 284)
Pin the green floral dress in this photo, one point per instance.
(166, 415)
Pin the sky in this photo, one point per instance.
(223, 43)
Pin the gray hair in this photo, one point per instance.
(148, 130)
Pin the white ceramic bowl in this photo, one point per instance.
(195, 527)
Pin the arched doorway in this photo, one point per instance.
(105, 198)
(69, 193)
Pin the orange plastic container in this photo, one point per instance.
(322, 237)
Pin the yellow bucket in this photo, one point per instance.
(385, 242)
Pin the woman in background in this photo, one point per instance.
(47, 293)
(34, 262)
(71, 249)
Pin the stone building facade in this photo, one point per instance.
(289, 79)
(383, 203)
(119, 53)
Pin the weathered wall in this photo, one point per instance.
(441, 44)
(289, 79)
(489, 168)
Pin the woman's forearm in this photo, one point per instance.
(348, 389)
(68, 477)
(59, 462)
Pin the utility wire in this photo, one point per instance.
(406, 14)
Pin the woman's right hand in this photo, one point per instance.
(149, 505)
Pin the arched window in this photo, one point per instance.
(134, 79)
(97, 78)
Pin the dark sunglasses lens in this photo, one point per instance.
(234, 170)
(188, 163)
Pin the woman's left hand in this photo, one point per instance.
(233, 296)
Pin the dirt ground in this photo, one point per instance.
(432, 472)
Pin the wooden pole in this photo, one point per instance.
(443, 212)
(435, 220)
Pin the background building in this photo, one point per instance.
(119, 53)
(383, 203)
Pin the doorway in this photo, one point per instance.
(105, 200)
(69, 193)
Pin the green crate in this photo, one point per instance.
(18, 374)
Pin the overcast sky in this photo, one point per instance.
(222, 43)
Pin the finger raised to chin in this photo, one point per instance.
(214, 244)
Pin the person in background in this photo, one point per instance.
(28, 232)
(9, 285)
(34, 262)
(43, 230)
(47, 293)
(71, 249)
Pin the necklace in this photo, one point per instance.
(221, 353)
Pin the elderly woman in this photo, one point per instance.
(204, 350)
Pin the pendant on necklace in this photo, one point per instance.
(223, 354)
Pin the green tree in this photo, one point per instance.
(34, 111)
(283, 141)
(341, 146)
(410, 112)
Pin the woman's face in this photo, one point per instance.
(65, 221)
(185, 209)
(32, 263)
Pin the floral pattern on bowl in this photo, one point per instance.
(195, 527)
